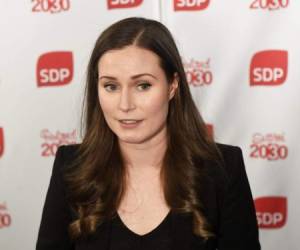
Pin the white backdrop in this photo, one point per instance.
(241, 59)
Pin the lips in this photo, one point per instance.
(129, 123)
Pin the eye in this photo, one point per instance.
(110, 87)
(144, 86)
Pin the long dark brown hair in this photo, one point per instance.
(96, 185)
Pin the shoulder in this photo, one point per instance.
(232, 161)
(225, 185)
(237, 227)
(64, 157)
(228, 150)
(219, 176)
(67, 152)
(232, 156)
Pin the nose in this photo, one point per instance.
(126, 102)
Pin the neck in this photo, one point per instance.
(145, 157)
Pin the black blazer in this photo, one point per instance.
(226, 196)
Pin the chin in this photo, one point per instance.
(133, 139)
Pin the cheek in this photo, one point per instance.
(156, 105)
(106, 103)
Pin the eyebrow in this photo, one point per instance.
(133, 77)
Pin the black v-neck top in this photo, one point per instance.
(122, 237)
(224, 192)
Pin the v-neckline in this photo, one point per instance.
(152, 231)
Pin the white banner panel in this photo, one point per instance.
(45, 46)
(241, 60)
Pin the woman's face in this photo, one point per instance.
(134, 94)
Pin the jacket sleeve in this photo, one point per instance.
(238, 224)
(53, 231)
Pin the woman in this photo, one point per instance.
(147, 174)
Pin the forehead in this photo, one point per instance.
(131, 58)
